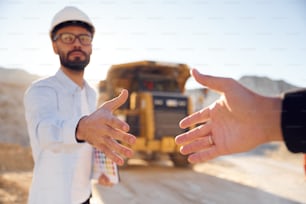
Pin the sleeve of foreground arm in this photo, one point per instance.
(294, 120)
(48, 128)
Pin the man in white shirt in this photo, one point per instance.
(63, 124)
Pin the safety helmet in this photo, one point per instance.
(70, 16)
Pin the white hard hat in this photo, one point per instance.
(71, 15)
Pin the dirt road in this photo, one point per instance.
(245, 179)
(254, 177)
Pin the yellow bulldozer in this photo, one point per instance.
(155, 105)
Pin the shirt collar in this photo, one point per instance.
(69, 85)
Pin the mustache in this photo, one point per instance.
(76, 50)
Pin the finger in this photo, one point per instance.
(116, 102)
(203, 156)
(195, 118)
(117, 134)
(218, 84)
(117, 147)
(196, 146)
(193, 134)
(113, 105)
(116, 123)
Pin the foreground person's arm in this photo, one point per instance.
(239, 121)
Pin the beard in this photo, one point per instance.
(75, 64)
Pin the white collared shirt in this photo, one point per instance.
(62, 167)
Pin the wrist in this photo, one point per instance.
(80, 134)
(273, 119)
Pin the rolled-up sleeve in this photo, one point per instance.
(293, 120)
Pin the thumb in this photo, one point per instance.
(116, 102)
(218, 84)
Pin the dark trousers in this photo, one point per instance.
(87, 201)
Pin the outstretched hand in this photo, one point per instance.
(239, 121)
(102, 130)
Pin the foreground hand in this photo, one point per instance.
(102, 130)
(239, 121)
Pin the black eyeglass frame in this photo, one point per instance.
(59, 36)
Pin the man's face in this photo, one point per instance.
(74, 54)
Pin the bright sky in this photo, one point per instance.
(219, 37)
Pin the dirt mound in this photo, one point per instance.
(16, 166)
(12, 190)
(15, 158)
(16, 76)
(13, 84)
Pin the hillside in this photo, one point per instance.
(16, 76)
(13, 83)
(265, 85)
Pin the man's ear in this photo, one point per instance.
(54, 47)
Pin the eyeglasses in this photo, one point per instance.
(69, 38)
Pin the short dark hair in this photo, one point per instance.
(69, 23)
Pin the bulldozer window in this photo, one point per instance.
(158, 84)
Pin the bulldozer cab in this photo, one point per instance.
(145, 76)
